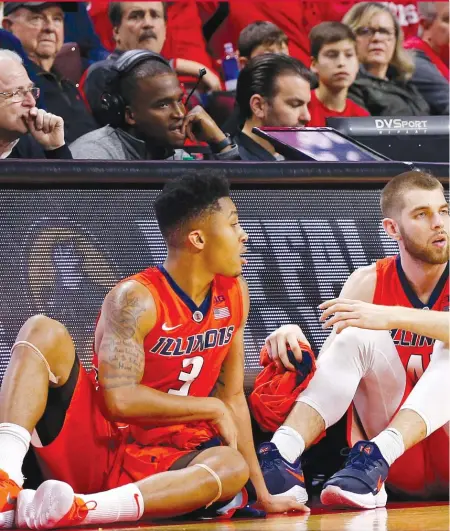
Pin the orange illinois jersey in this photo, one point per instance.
(393, 289)
(185, 349)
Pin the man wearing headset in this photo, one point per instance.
(147, 119)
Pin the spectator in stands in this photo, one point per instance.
(297, 18)
(272, 90)
(261, 37)
(25, 131)
(148, 120)
(138, 26)
(431, 75)
(383, 84)
(40, 28)
(255, 39)
(334, 61)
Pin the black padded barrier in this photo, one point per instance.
(70, 230)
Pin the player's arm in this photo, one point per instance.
(344, 312)
(230, 389)
(359, 285)
(128, 315)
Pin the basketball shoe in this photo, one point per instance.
(282, 478)
(52, 505)
(9, 491)
(361, 482)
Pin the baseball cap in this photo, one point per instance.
(10, 7)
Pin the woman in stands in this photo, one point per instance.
(383, 84)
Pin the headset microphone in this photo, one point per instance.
(201, 73)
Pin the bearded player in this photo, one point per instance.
(141, 439)
(387, 359)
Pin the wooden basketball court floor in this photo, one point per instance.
(396, 517)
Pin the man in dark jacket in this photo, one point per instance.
(25, 131)
(272, 91)
(40, 28)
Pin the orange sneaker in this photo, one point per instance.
(9, 491)
(53, 505)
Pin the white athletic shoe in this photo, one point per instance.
(52, 505)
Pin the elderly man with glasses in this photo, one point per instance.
(40, 28)
(25, 130)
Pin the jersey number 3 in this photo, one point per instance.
(196, 365)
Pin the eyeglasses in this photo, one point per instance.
(20, 94)
(367, 31)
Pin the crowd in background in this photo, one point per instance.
(299, 64)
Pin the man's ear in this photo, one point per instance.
(197, 239)
(116, 34)
(313, 66)
(129, 116)
(392, 229)
(7, 24)
(242, 61)
(258, 106)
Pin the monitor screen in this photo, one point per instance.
(319, 144)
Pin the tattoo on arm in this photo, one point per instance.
(121, 355)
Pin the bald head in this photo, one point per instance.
(11, 69)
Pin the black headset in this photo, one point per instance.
(112, 103)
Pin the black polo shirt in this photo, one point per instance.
(63, 99)
(251, 150)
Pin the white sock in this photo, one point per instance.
(390, 443)
(289, 442)
(14, 444)
(123, 504)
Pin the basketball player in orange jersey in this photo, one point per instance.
(388, 356)
(146, 428)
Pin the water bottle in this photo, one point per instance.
(230, 66)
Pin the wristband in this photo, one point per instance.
(217, 147)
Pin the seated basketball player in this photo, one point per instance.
(387, 359)
(145, 425)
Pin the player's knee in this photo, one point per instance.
(233, 471)
(359, 340)
(50, 337)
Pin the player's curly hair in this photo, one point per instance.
(187, 197)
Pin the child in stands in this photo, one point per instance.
(334, 61)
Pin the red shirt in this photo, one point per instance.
(295, 18)
(319, 113)
(184, 38)
(393, 289)
(416, 43)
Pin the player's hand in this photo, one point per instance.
(278, 340)
(281, 504)
(46, 128)
(342, 313)
(225, 425)
(198, 126)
